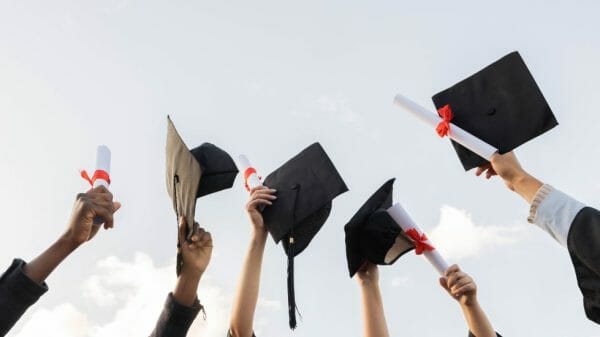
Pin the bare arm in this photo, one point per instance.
(246, 298)
(196, 257)
(463, 289)
(372, 303)
(515, 177)
(96, 202)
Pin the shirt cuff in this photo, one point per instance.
(554, 211)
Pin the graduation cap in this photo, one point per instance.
(372, 235)
(194, 173)
(501, 104)
(306, 186)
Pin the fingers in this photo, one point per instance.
(261, 196)
(200, 238)
(105, 213)
(464, 289)
(452, 269)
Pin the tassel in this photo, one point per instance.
(290, 284)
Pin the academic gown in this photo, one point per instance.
(176, 319)
(472, 335)
(576, 227)
(17, 293)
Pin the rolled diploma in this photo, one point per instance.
(102, 163)
(244, 164)
(457, 134)
(406, 223)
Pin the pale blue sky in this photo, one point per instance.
(267, 78)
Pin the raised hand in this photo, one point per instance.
(97, 202)
(260, 196)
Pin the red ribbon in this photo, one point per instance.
(443, 127)
(98, 174)
(249, 171)
(420, 241)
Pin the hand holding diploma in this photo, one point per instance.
(457, 134)
(422, 244)
(251, 179)
(101, 175)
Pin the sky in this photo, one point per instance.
(268, 78)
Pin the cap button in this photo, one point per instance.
(491, 112)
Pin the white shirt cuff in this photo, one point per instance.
(554, 212)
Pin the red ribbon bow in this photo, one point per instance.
(443, 127)
(98, 174)
(420, 241)
(249, 171)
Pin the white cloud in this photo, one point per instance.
(136, 291)
(457, 237)
(63, 320)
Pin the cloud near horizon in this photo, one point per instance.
(458, 237)
(136, 304)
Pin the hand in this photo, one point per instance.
(97, 202)
(507, 166)
(196, 255)
(368, 274)
(259, 196)
(460, 286)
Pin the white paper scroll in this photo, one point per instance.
(406, 223)
(244, 164)
(102, 163)
(457, 134)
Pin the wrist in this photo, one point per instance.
(470, 303)
(259, 235)
(66, 243)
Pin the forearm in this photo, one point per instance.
(246, 298)
(477, 321)
(186, 288)
(42, 266)
(526, 186)
(373, 313)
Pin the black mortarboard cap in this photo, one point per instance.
(372, 235)
(192, 174)
(306, 186)
(501, 104)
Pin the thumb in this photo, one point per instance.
(444, 284)
(182, 230)
(117, 205)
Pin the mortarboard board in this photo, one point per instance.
(306, 186)
(501, 104)
(372, 235)
(192, 174)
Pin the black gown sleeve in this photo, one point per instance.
(176, 319)
(17, 293)
(229, 334)
(583, 243)
(472, 335)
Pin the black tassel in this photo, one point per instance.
(290, 285)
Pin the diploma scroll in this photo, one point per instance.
(407, 224)
(102, 164)
(250, 176)
(457, 134)
(103, 157)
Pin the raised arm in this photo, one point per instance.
(246, 298)
(23, 283)
(374, 324)
(463, 289)
(182, 305)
